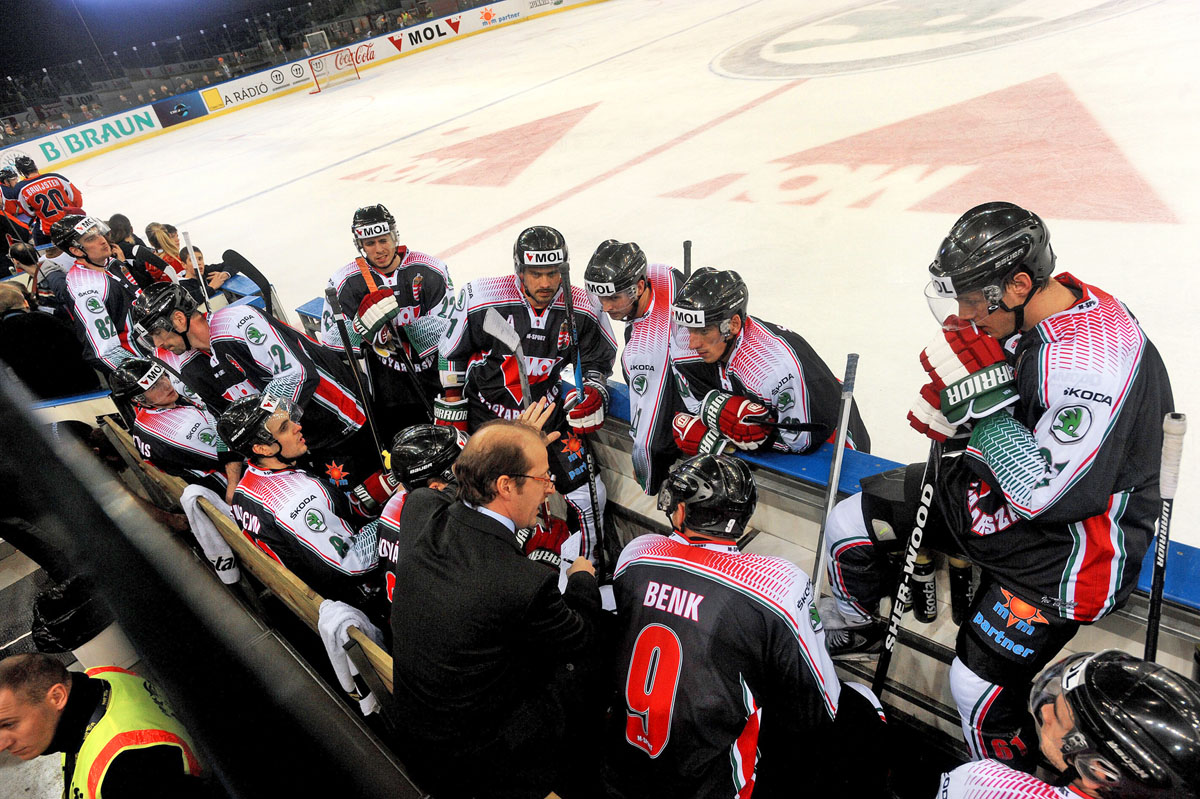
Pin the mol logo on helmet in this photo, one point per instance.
(543, 257)
(314, 521)
(685, 317)
(639, 384)
(372, 230)
(94, 305)
(601, 289)
(255, 335)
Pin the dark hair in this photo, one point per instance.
(23, 253)
(185, 253)
(485, 459)
(119, 228)
(31, 675)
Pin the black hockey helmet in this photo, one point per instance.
(718, 494)
(614, 271)
(371, 221)
(1137, 724)
(425, 452)
(152, 310)
(711, 297)
(985, 248)
(244, 422)
(25, 165)
(540, 246)
(7, 173)
(133, 378)
(72, 229)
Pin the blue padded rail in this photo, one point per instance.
(241, 286)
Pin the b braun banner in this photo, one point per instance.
(96, 136)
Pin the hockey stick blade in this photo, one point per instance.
(498, 328)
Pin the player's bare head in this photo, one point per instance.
(1128, 727)
(374, 231)
(709, 497)
(499, 449)
(709, 311)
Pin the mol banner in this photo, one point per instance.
(87, 139)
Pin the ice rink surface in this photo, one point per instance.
(822, 149)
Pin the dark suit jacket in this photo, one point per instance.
(478, 632)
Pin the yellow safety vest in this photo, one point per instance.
(135, 717)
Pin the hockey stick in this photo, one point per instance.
(340, 319)
(498, 328)
(187, 242)
(593, 497)
(1174, 426)
(904, 589)
(835, 468)
(687, 259)
(399, 351)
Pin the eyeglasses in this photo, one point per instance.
(548, 478)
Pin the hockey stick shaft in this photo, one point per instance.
(835, 468)
(340, 319)
(593, 496)
(187, 243)
(687, 259)
(904, 588)
(1174, 427)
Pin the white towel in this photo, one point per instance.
(334, 623)
(569, 551)
(215, 549)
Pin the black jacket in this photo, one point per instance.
(479, 631)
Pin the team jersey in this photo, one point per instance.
(778, 368)
(182, 440)
(46, 197)
(281, 361)
(653, 391)
(99, 301)
(990, 779)
(713, 643)
(297, 521)
(493, 385)
(1066, 493)
(213, 381)
(404, 517)
(13, 209)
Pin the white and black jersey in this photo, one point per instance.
(653, 390)
(776, 367)
(991, 779)
(300, 523)
(214, 381)
(425, 294)
(723, 674)
(99, 301)
(493, 385)
(182, 440)
(279, 360)
(405, 516)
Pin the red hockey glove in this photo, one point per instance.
(739, 418)
(587, 414)
(954, 354)
(369, 496)
(926, 417)
(375, 311)
(968, 370)
(694, 438)
(545, 546)
(450, 413)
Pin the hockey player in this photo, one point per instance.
(247, 352)
(45, 198)
(99, 290)
(396, 298)
(629, 291)
(1050, 478)
(18, 225)
(724, 686)
(739, 376)
(480, 378)
(172, 433)
(1114, 726)
(291, 515)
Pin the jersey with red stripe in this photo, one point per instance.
(182, 440)
(493, 385)
(278, 360)
(653, 391)
(46, 197)
(99, 301)
(778, 368)
(215, 382)
(405, 516)
(724, 676)
(991, 779)
(298, 522)
(1071, 533)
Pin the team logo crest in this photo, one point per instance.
(564, 337)
(94, 305)
(254, 335)
(337, 473)
(315, 521)
(639, 384)
(1072, 423)
(786, 401)
(207, 436)
(418, 281)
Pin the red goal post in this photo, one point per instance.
(329, 69)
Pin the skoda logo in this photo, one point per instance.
(314, 521)
(254, 335)
(94, 305)
(639, 385)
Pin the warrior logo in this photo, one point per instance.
(314, 521)
(254, 336)
(1072, 423)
